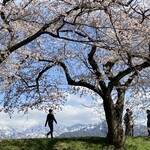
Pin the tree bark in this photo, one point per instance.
(113, 115)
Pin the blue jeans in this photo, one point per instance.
(51, 130)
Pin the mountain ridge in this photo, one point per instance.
(77, 130)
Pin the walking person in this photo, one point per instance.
(50, 119)
(148, 121)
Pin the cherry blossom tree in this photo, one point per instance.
(50, 48)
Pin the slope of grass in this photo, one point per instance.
(85, 143)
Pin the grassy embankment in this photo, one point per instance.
(86, 143)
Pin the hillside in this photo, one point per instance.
(84, 143)
(77, 130)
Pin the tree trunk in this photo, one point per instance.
(115, 134)
(114, 120)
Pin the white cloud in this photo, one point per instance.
(76, 98)
(21, 121)
(72, 113)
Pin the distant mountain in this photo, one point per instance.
(101, 130)
(140, 130)
(77, 130)
(88, 130)
(36, 131)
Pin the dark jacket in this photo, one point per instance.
(148, 118)
(50, 119)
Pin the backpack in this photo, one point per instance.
(130, 121)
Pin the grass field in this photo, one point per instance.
(84, 143)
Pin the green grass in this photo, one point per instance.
(85, 143)
(138, 143)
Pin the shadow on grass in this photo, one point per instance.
(55, 144)
(49, 144)
(88, 142)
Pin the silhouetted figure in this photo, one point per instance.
(50, 119)
(131, 123)
(128, 121)
(148, 121)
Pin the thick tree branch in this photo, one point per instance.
(95, 68)
(130, 79)
(78, 83)
(70, 80)
(121, 93)
(119, 104)
(6, 53)
(107, 68)
(122, 74)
